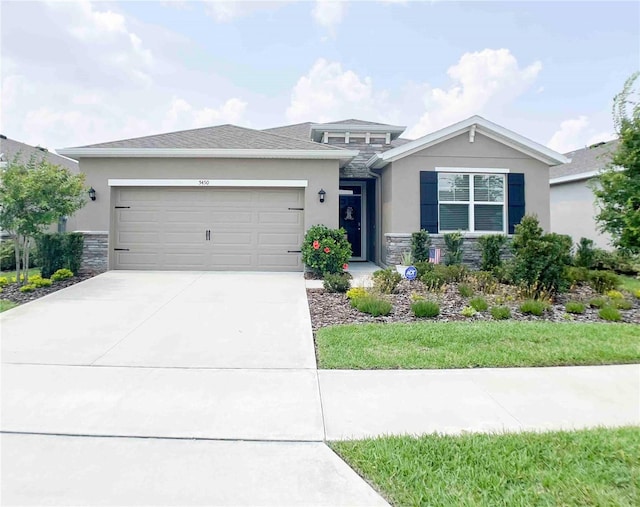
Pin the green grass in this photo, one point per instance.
(630, 283)
(5, 305)
(592, 467)
(476, 344)
(9, 274)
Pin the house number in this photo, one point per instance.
(203, 183)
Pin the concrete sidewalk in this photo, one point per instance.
(362, 404)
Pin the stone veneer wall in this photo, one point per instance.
(396, 244)
(95, 252)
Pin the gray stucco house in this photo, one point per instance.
(573, 206)
(232, 198)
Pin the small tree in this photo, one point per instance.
(33, 196)
(420, 243)
(617, 188)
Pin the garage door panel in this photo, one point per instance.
(279, 218)
(251, 229)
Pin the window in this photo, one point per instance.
(471, 202)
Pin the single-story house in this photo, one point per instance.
(573, 206)
(10, 148)
(233, 198)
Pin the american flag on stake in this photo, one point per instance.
(434, 255)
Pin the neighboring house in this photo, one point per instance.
(573, 206)
(234, 198)
(9, 149)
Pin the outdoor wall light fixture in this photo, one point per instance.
(92, 194)
(321, 195)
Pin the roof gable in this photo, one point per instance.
(9, 148)
(471, 125)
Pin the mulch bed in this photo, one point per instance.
(12, 291)
(329, 309)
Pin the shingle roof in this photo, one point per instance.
(353, 121)
(297, 131)
(585, 160)
(9, 148)
(220, 137)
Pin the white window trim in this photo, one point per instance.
(471, 203)
(473, 170)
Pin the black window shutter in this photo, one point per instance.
(515, 212)
(429, 201)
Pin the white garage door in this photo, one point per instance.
(248, 229)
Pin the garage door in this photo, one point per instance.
(247, 229)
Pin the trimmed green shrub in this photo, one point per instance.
(500, 312)
(617, 261)
(62, 274)
(425, 309)
(372, 305)
(336, 282)
(533, 307)
(465, 290)
(637, 293)
(4, 281)
(491, 246)
(468, 311)
(479, 303)
(602, 281)
(28, 288)
(423, 267)
(420, 243)
(585, 254)
(540, 260)
(386, 280)
(325, 250)
(453, 252)
(597, 302)
(615, 294)
(609, 313)
(575, 307)
(577, 275)
(60, 250)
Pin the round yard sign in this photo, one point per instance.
(411, 273)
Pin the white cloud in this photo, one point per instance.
(182, 115)
(481, 82)
(329, 14)
(223, 11)
(575, 133)
(328, 92)
(93, 24)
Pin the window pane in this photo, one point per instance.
(488, 188)
(453, 187)
(454, 217)
(488, 217)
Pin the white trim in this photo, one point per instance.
(337, 154)
(207, 183)
(474, 170)
(485, 127)
(573, 177)
(93, 232)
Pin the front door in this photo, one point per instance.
(351, 221)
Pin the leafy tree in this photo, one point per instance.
(33, 196)
(617, 188)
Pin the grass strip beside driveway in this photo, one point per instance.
(476, 344)
(589, 467)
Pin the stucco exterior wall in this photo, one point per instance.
(459, 152)
(573, 212)
(95, 216)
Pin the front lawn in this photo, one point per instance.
(630, 283)
(476, 344)
(5, 305)
(590, 467)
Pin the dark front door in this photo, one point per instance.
(350, 221)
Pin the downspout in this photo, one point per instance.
(378, 224)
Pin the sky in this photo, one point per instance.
(81, 72)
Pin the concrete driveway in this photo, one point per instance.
(168, 388)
